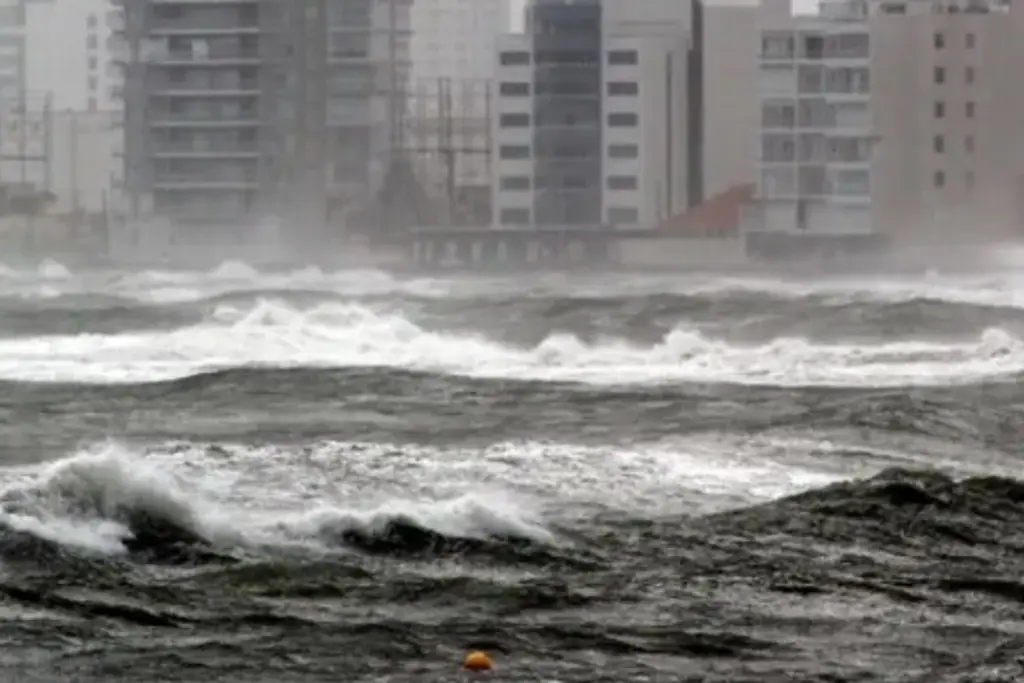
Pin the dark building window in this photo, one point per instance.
(514, 152)
(622, 182)
(514, 216)
(515, 89)
(623, 151)
(515, 182)
(515, 58)
(623, 88)
(515, 120)
(623, 57)
(622, 120)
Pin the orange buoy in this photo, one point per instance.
(477, 661)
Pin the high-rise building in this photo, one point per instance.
(948, 113)
(816, 132)
(895, 122)
(67, 55)
(729, 94)
(593, 112)
(253, 113)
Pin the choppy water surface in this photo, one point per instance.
(310, 476)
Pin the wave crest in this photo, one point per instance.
(113, 503)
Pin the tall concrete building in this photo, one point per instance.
(68, 55)
(816, 130)
(895, 122)
(948, 112)
(257, 120)
(730, 99)
(592, 118)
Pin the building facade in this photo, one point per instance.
(816, 133)
(948, 110)
(891, 122)
(730, 99)
(591, 115)
(68, 55)
(257, 119)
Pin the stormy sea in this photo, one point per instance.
(246, 476)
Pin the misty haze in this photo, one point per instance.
(572, 341)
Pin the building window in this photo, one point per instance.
(623, 57)
(940, 179)
(969, 110)
(514, 121)
(939, 144)
(514, 89)
(622, 120)
(622, 182)
(940, 41)
(623, 215)
(969, 75)
(91, 42)
(93, 63)
(969, 144)
(940, 110)
(969, 41)
(514, 217)
(515, 58)
(92, 104)
(940, 75)
(623, 88)
(623, 151)
(514, 152)
(515, 183)
(92, 22)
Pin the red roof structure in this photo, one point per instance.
(716, 218)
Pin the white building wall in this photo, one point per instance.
(67, 54)
(659, 136)
(658, 31)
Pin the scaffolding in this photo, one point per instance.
(448, 133)
(26, 140)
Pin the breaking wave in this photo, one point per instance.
(275, 334)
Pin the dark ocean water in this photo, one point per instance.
(248, 477)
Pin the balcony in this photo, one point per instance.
(216, 25)
(205, 181)
(205, 149)
(214, 56)
(166, 119)
(247, 88)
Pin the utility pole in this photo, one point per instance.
(445, 141)
(73, 132)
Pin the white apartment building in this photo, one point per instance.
(591, 116)
(68, 55)
(948, 110)
(816, 136)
